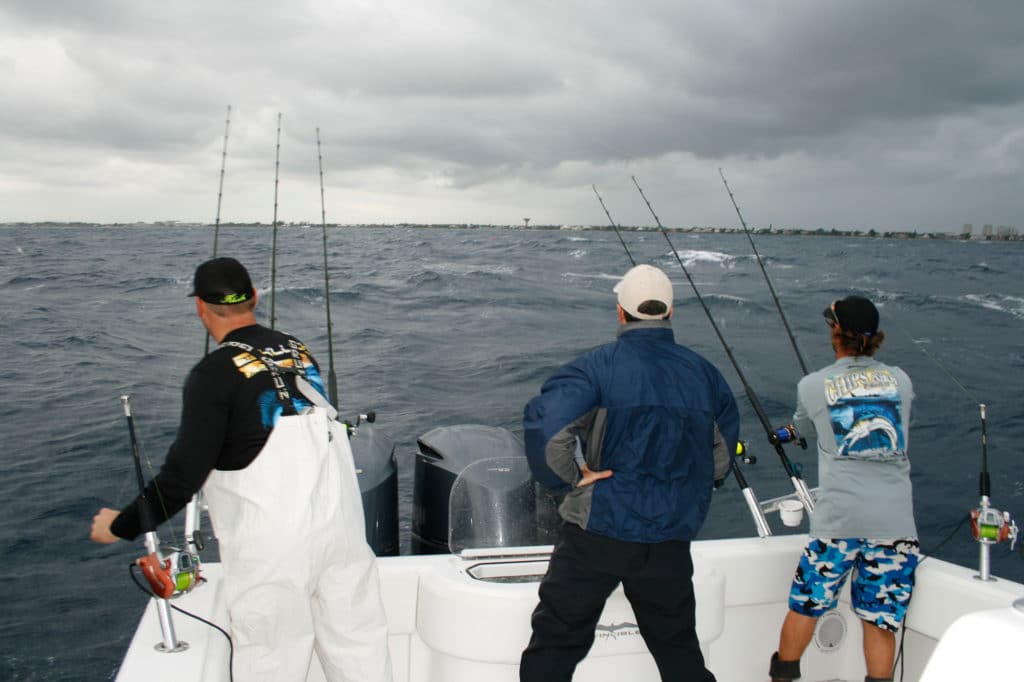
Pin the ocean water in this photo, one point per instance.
(445, 326)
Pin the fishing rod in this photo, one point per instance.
(220, 188)
(771, 287)
(614, 226)
(273, 249)
(989, 526)
(763, 529)
(220, 194)
(332, 382)
(166, 577)
(775, 436)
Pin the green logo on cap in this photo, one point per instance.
(234, 298)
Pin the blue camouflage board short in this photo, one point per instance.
(883, 578)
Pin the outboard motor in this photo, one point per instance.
(498, 500)
(374, 456)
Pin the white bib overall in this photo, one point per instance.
(298, 573)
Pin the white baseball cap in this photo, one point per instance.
(641, 284)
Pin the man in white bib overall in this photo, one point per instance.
(276, 469)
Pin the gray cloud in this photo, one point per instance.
(863, 113)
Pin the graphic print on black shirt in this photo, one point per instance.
(228, 408)
(250, 362)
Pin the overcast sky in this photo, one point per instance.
(850, 114)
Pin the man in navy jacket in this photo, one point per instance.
(634, 433)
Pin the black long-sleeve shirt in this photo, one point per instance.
(229, 406)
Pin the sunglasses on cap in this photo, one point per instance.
(831, 319)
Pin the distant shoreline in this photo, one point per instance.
(1008, 235)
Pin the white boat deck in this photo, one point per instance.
(451, 621)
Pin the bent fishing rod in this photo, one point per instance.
(775, 436)
(771, 287)
(763, 529)
(332, 382)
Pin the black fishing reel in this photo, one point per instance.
(369, 417)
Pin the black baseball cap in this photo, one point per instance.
(223, 281)
(853, 314)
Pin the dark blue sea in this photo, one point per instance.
(439, 326)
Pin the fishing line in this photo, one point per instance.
(273, 248)
(332, 381)
(771, 287)
(942, 367)
(773, 437)
(984, 484)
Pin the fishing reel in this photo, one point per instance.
(787, 434)
(350, 428)
(743, 454)
(990, 526)
(173, 575)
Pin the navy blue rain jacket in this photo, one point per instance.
(657, 414)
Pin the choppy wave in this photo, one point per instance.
(1012, 305)
(450, 326)
(695, 256)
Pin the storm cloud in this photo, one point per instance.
(868, 114)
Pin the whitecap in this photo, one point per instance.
(729, 297)
(1013, 305)
(450, 268)
(698, 255)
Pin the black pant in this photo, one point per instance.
(585, 568)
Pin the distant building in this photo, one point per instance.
(968, 228)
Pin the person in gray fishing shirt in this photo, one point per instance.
(858, 409)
